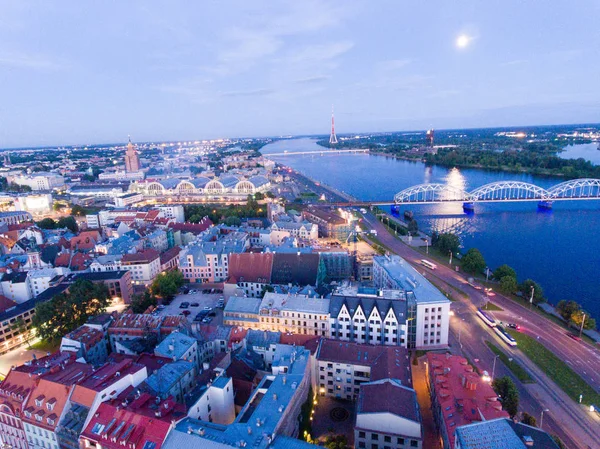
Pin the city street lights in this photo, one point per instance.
(531, 299)
(450, 257)
(542, 418)
(494, 366)
(426, 246)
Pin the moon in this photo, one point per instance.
(463, 41)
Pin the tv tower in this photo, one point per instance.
(332, 138)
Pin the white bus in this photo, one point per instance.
(428, 264)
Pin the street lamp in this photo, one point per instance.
(542, 418)
(450, 257)
(531, 299)
(494, 366)
(426, 246)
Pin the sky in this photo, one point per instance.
(75, 72)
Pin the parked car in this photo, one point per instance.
(208, 309)
(574, 337)
(207, 320)
(184, 305)
(194, 304)
(186, 313)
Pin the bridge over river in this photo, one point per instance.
(500, 191)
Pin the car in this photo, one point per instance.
(194, 304)
(212, 313)
(513, 326)
(184, 305)
(574, 337)
(207, 320)
(161, 307)
(186, 313)
(208, 309)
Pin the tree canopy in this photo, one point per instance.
(538, 292)
(473, 261)
(446, 242)
(67, 311)
(504, 270)
(167, 284)
(508, 284)
(141, 302)
(509, 395)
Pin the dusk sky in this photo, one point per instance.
(74, 72)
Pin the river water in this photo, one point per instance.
(560, 249)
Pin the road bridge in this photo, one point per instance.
(321, 153)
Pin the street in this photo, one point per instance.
(570, 421)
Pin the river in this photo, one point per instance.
(559, 249)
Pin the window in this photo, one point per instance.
(361, 434)
(414, 443)
(375, 436)
(387, 439)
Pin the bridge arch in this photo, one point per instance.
(431, 193)
(509, 190)
(576, 188)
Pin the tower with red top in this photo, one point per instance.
(332, 138)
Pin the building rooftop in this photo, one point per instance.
(503, 433)
(87, 336)
(273, 303)
(175, 345)
(409, 279)
(251, 267)
(388, 396)
(386, 362)
(237, 304)
(163, 379)
(145, 256)
(462, 395)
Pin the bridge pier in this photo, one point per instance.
(545, 205)
(469, 207)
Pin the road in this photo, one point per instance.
(577, 427)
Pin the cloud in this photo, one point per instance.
(321, 52)
(312, 79)
(247, 93)
(514, 62)
(21, 60)
(393, 64)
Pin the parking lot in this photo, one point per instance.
(198, 302)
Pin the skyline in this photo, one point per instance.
(185, 72)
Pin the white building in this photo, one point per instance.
(36, 204)
(216, 403)
(377, 318)
(209, 261)
(303, 230)
(128, 199)
(15, 286)
(42, 279)
(432, 308)
(120, 175)
(175, 212)
(297, 314)
(40, 181)
(144, 266)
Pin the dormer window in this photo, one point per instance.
(50, 405)
(27, 414)
(38, 418)
(50, 421)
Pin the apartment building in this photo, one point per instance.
(144, 266)
(208, 261)
(293, 313)
(459, 396)
(431, 308)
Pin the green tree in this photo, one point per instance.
(270, 194)
(473, 261)
(77, 210)
(559, 442)
(504, 270)
(566, 309)
(267, 288)
(233, 221)
(526, 288)
(413, 227)
(508, 285)
(447, 243)
(529, 419)
(336, 442)
(47, 223)
(69, 223)
(141, 302)
(259, 196)
(578, 316)
(67, 311)
(167, 284)
(509, 395)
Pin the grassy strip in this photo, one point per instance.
(567, 379)
(43, 345)
(512, 365)
(493, 307)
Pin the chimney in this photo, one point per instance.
(528, 440)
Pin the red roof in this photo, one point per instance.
(86, 240)
(251, 267)
(463, 397)
(142, 422)
(194, 228)
(169, 254)
(6, 303)
(77, 262)
(146, 256)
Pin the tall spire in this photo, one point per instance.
(332, 138)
